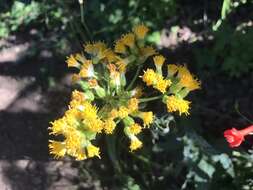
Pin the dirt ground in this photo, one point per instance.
(27, 106)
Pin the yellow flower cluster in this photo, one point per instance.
(155, 78)
(79, 126)
(173, 93)
(101, 79)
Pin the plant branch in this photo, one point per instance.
(141, 100)
(134, 78)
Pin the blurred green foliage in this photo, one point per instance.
(230, 51)
(19, 15)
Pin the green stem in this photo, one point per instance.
(239, 113)
(134, 78)
(150, 99)
(84, 23)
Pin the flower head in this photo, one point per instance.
(96, 48)
(177, 104)
(93, 83)
(159, 60)
(187, 79)
(172, 69)
(140, 31)
(80, 58)
(93, 151)
(114, 74)
(120, 47)
(58, 149)
(72, 62)
(128, 40)
(234, 137)
(75, 78)
(87, 69)
(135, 144)
(147, 51)
(109, 126)
(133, 104)
(135, 129)
(147, 118)
(123, 112)
(162, 84)
(149, 77)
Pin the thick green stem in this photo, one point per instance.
(134, 78)
(150, 99)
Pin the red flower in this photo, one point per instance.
(235, 137)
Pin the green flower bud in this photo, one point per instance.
(128, 121)
(123, 79)
(100, 91)
(183, 93)
(84, 85)
(89, 95)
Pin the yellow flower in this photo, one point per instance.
(133, 104)
(93, 83)
(59, 126)
(172, 69)
(140, 31)
(94, 125)
(72, 116)
(95, 48)
(88, 48)
(114, 74)
(74, 144)
(177, 104)
(74, 140)
(121, 66)
(123, 112)
(88, 110)
(159, 60)
(128, 40)
(80, 154)
(114, 114)
(147, 51)
(135, 129)
(58, 149)
(80, 57)
(109, 126)
(75, 78)
(120, 47)
(72, 62)
(93, 151)
(162, 84)
(187, 80)
(149, 77)
(135, 144)
(78, 96)
(147, 118)
(111, 56)
(87, 69)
